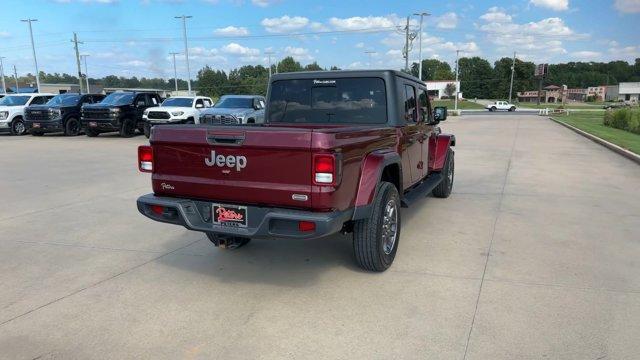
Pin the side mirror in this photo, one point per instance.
(440, 113)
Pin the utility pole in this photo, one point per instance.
(457, 87)
(269, 53)
(406, 46)
(175, 72)
(186, 48)
(15, 76)
(4, 86)
(370, 52)
(513, 69)
(33, 48)
(422, 15)
(86, 73)
(75, 45)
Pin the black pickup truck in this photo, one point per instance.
(60, 114)
(119, 111)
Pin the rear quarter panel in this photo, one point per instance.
(353, 145)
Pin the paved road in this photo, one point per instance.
(534, 256)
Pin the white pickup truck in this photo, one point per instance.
(175, 110)
(12, 111)
(500, 105)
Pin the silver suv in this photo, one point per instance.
(235, 110)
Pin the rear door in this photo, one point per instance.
(413, 134)
(245, 165)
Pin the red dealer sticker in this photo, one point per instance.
(229, 215)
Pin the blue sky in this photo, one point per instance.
(135, 37)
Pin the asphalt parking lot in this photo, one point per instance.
(536, 255)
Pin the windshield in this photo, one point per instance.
(120, 98)
(234, 103)
(342, 101)
(14, 100)
(178, 102)
(65, 100)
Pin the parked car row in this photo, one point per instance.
(122, 112)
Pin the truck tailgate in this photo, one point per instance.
(243, 164)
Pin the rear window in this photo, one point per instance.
(339, 101)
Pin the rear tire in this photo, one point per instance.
(72, 127)
(513, 108)
(147, 130)
(493, 108)
(227, 242)
(443, 190)
(127, 128)
(375, 239)
(91, 133)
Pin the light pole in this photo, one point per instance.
(513, 69)
(33, 47)
(422, 15)
(186, 48)
(457, 86)
(269, 53)
(370, 52)
(86, 73)
(4, 85)
(175, 72)
(15, 76)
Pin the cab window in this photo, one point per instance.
(207, 103)
(425, 106)
(199, 103)
(410, 108)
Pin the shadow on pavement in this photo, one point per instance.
(282, 262)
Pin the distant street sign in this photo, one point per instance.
(541, 70)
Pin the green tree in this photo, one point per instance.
(288, 64)
(313, 67)
(433, 69)
(476, 77)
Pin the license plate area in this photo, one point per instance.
(229, 215)
(93, 124)
(36, 125)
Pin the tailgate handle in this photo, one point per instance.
(225, 139)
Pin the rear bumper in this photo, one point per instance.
(263, 222)
(44, 125)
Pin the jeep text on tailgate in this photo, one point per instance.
(338, 152)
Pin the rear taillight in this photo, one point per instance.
(145, 158)
(324, 169)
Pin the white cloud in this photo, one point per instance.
(627, 6)
(88, 1)
(557, 5)
(447, 21)
(360, 45)
(586, 55)
(134, 63)
(263, 3)
(316, 26)
(298, 53)
(496, 15)
(237, 49)
(4, 34)
(231, 31)
(363, 23)
(543, 38)
(284, 24)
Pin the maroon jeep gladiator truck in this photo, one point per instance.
(339, 151)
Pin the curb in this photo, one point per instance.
(613, 147)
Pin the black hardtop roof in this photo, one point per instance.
(336, 74)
